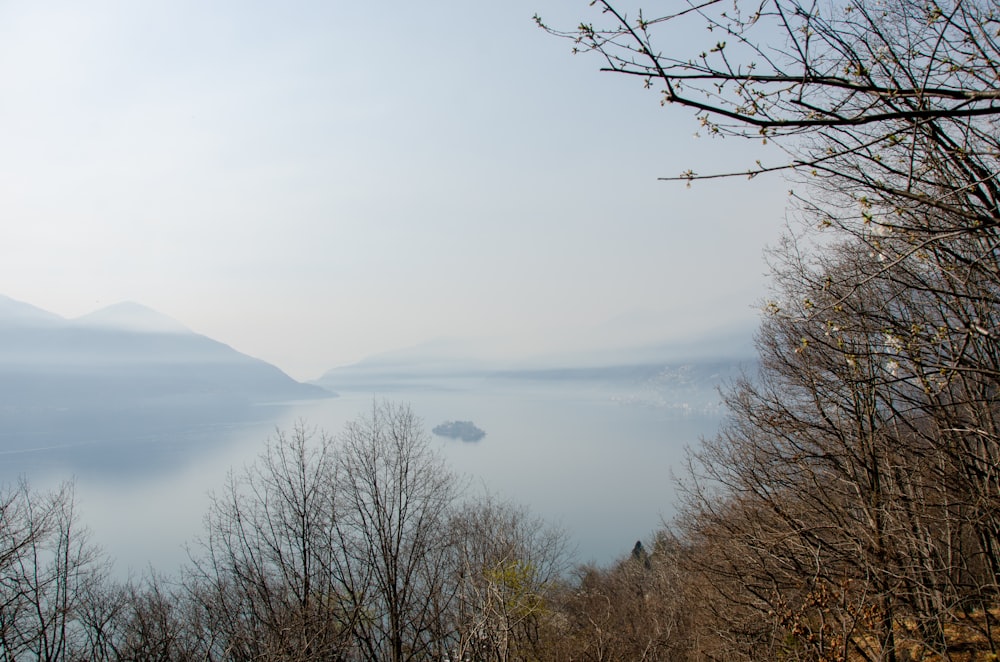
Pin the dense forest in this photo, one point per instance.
(848, 509)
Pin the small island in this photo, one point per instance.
(464, 430)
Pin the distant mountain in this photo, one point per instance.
(131, 316)
(126, 356)
(684, 375)
(18, 313)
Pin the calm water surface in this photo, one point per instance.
(584, 457)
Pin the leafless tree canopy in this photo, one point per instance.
(871, 73)
(48, 574)
(848, 508)
(362, 546)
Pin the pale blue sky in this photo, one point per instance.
(315, 182)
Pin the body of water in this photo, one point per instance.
(597, 460)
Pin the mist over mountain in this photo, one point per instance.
(131, 316)
(683, 375)
(18, 313)
(454, 357)
(125, 356)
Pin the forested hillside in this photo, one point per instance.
(850, 507)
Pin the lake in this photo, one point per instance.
(596, 458)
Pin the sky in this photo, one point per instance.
(313, 183)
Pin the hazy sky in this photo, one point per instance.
(314, 182)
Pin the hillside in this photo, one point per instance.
(125, 356)
(684, 377)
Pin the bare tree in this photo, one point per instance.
(508, 564)
(262, 581)
(637, 609)
(848, 509)
(47, 568)
(393, 500)
(151, 619)
(775, 69)
(354, 549)
(832, 508)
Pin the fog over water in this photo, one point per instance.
(594, 457)
(147, 418)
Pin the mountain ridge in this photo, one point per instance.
(703, 362)
(130, 315)
(126, 355)
(13, 311)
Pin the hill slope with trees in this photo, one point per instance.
(849, 507)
